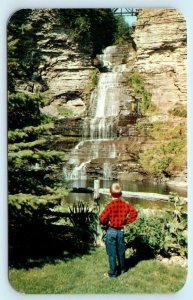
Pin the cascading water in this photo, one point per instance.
(107, 170)
(103, 123)
(100, 128)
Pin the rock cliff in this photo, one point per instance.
(160, 39)
(65, 70)
(64, 67)
(161, 58)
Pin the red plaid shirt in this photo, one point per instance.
(117, 214)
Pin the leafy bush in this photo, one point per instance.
(159, 232)
(167, 130)
(155, 161)
(176, 227)
(85, 223)
(146, 234)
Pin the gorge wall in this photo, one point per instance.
(66, 70)
(160, 38)
(64, 67)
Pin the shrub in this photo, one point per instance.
(159, 232)
(176, 227)
(155, 161)
(146, 234)
(85, 223)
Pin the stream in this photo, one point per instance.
(145, 187)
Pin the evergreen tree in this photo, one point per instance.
(30, 159)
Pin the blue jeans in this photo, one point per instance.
(115, 247)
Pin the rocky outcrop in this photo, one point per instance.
(160, 38)
(64, 69)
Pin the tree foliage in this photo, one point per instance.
(123, 33)
(91, 28)
(40, 227)
(23, 57)
(24, 110)
(31, 163)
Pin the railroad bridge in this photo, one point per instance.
(125, 11)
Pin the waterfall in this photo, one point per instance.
(107, 170)
(100, 127)
(79, 171)
(105, 106)
(103, 124)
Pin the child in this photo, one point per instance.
(115, 216)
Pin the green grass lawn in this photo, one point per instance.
(84, 275)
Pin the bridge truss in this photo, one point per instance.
(125, 11)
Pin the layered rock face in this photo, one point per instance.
(160, 38)
(64, 68)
